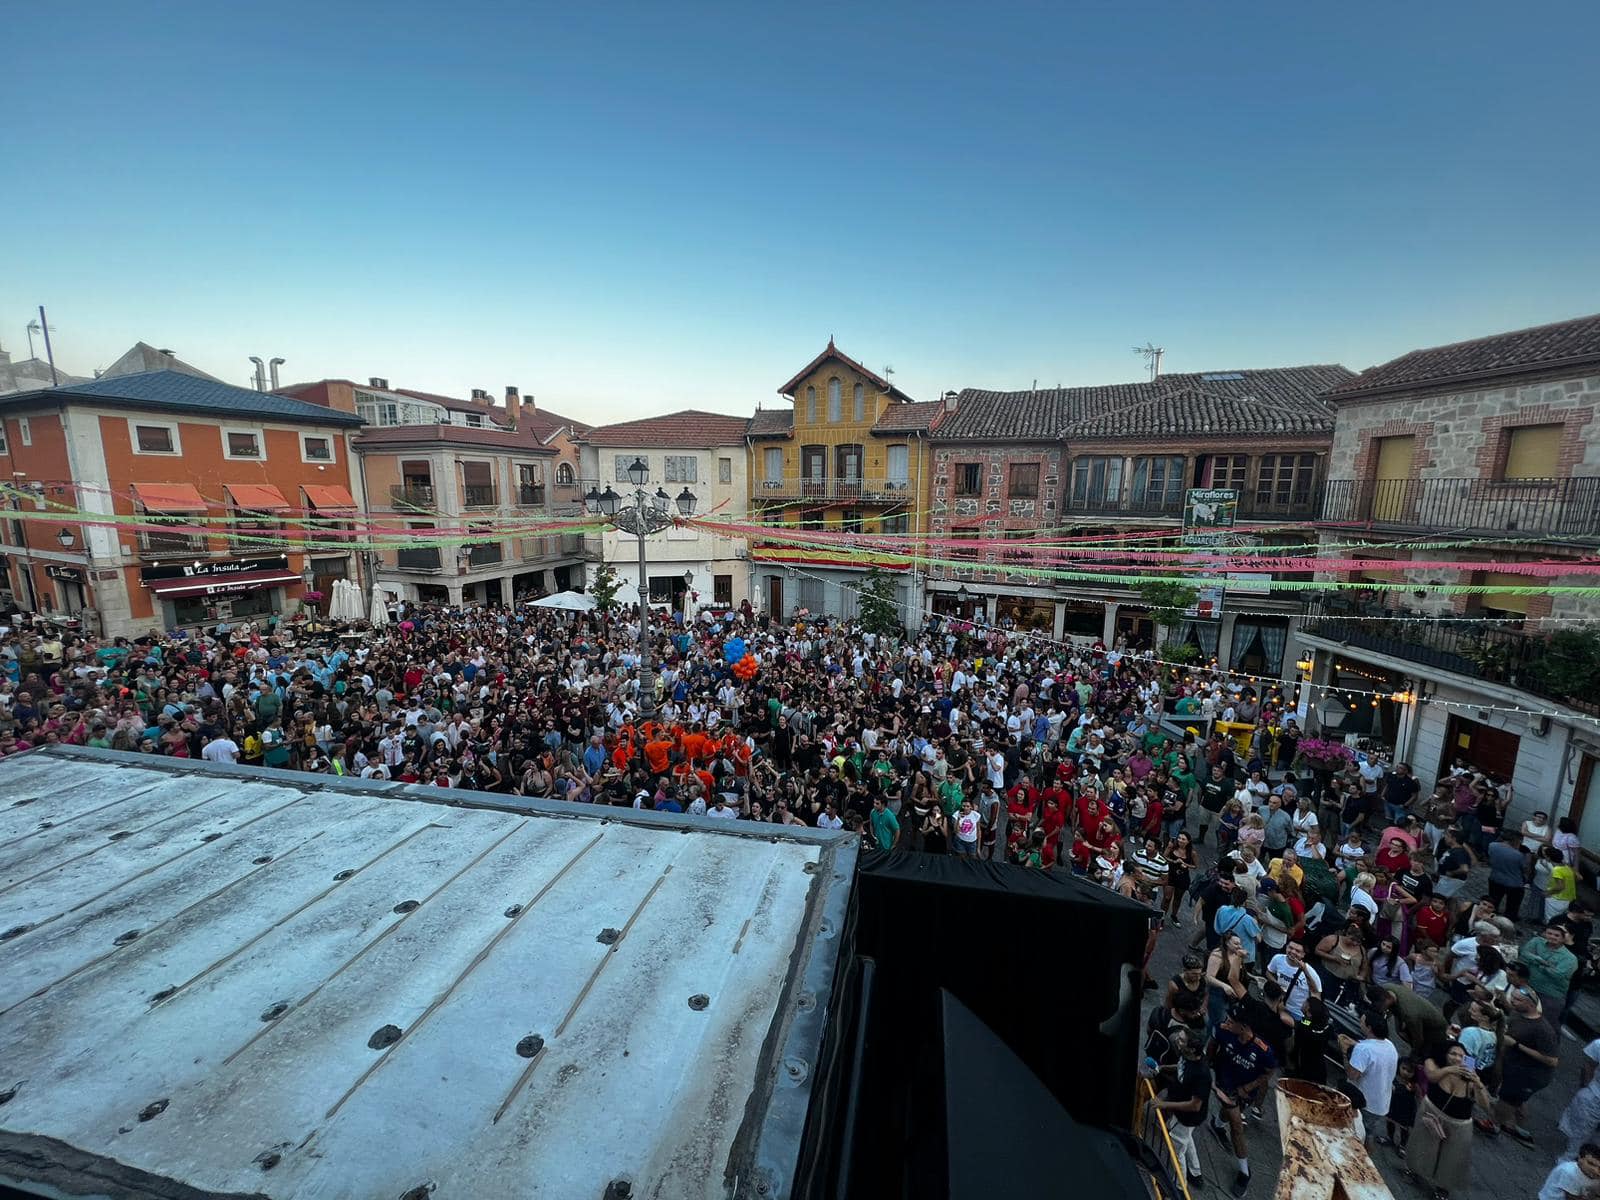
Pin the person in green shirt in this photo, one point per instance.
(98, 738)
(274, 745)
(1551, 965)
(950, 796)
(885, 825)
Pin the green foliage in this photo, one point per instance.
(604, 588)
(1181, 653)
(1570, 664)
(1168, 599)
(876, 604)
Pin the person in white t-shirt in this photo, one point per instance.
(1298, 978)
(1371, 1064)
(221, 750)
(968, 826)
(829, 819)
(1577, 1180)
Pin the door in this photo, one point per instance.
(1491, 750)
(1584, 815)
(775, 598)
(814, 469)
(1394, 459)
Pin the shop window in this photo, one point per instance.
(969, 479)
(1024, 481)
(1083, 620)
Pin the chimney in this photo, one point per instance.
(513, 406)
(951, 399)
(377, 381)
(481, 396)
(529, 404)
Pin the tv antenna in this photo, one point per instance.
(33, 328)
(1152, 358)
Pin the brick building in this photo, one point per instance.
(233, 473)
(1493, 443)
(1115, 461)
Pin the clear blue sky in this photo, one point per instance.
(629, 208)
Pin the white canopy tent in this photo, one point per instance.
(567, 602)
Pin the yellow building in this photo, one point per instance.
(849, 454)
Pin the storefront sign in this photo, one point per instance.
(213, 568)
(70, 574)
(1207, 605)
(1249, 581)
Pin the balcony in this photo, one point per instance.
(843, 490)
(1563, 507)
(172, 545)
(484, 554)
(421, 559)
(1168, 505)
(1539, 664)
(475, 495)
(530, 496)
(412, 495)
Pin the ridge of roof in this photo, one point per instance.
(180, 391)
(687, 427)
(1518, 351)
(830, 351)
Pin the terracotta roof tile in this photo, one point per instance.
(1275, 400)
(916, 417)
(771, 422)
(1564, 343)
(688, 428)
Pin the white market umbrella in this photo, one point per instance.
(379, 616)
(567, 602)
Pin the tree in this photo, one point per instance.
(876, 604)
(604, 588)
(1168, 601)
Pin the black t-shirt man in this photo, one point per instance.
(1193, 1082)
(1215, 792)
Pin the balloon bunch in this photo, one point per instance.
(746, 668)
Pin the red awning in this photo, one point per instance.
(240, 581)
(329, 498)
(169, 497)
(256, 497)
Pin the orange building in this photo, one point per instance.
(238, 475)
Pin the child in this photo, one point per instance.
(1424, 969)
(1402, 1105)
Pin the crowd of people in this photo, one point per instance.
(1329, 916)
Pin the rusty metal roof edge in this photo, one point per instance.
(449, 797)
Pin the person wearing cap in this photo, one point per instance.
(1241, 1065)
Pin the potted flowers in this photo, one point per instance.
(1326, 759)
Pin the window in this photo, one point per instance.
(530, 483)
(155, 439)
(241, 443)
(1286, 479)
(316, 448)
(898, 523)
(1532, 452)
(860, 399)
(849, 460)
(682, 468)
(249, 527)
(158, 543)
(814, 465)
(1024, 480)
(898, 471)
(811, 405)
(1097, 480)
(424, 558)
(388, 413)
(724, 470)
(622, 462)
(477, 484)
(772, 464)
(835, 403)
(1228, 471)
(1511, 608)
(969, 479)
(4, 449)
(1158, 482)
(850, 519)
(25, 430)
(474, 420)
(722, 589)
(564, 475)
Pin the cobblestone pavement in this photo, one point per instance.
(1501, 1167)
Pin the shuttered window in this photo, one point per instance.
(1532, 451)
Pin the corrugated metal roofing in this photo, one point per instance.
(252, 982)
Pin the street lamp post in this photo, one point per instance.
(646, 515)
